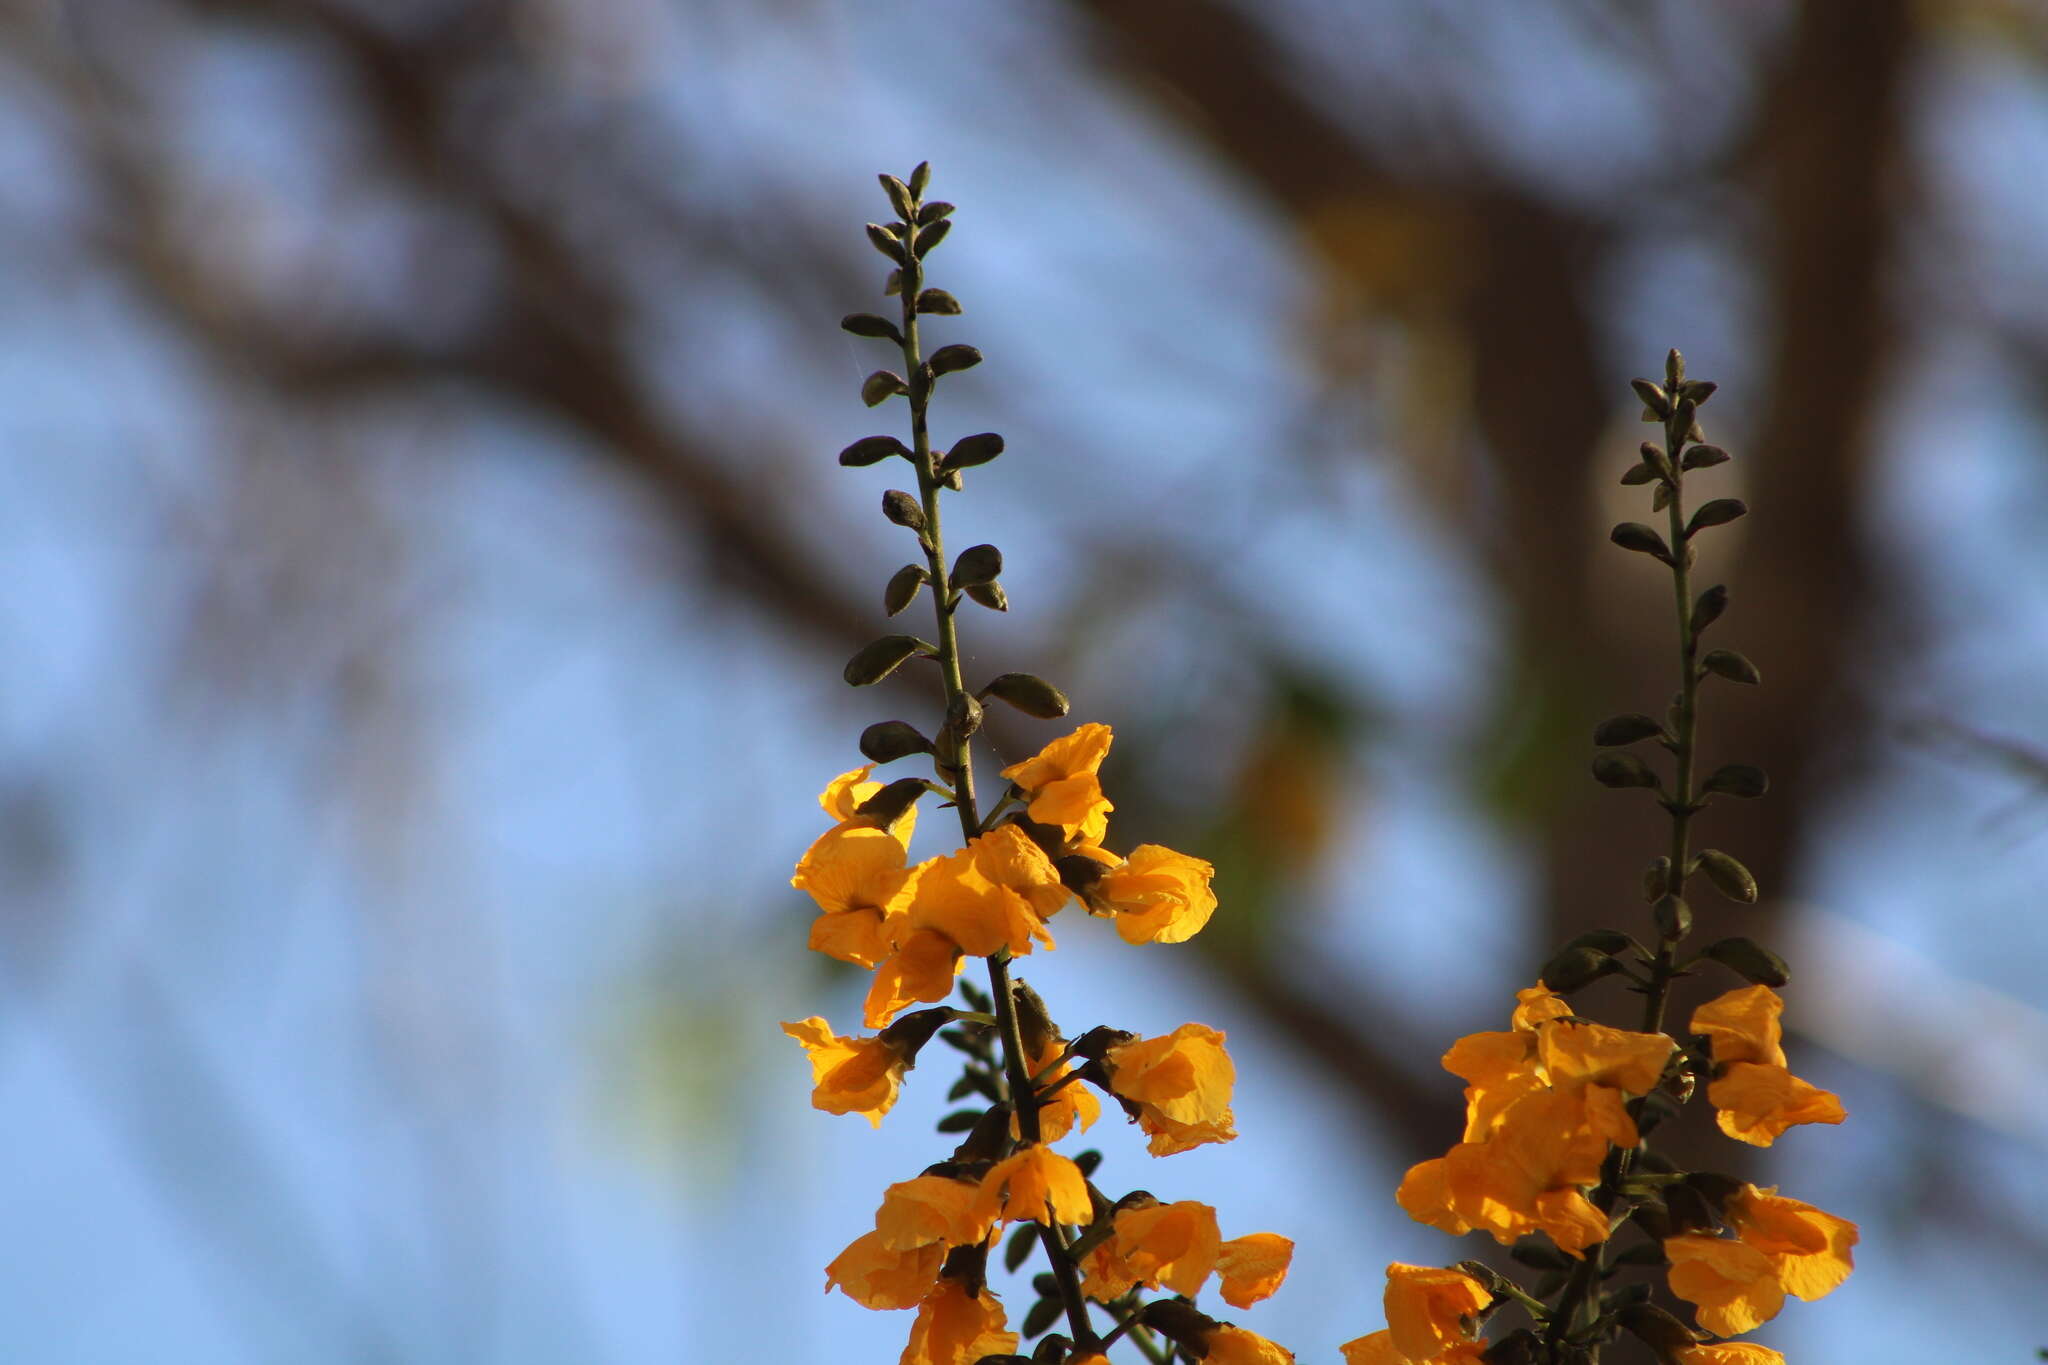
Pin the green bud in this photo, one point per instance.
(893, 286)
(969, 451)
(888, 740)
(1674, 368)
(931, 235)
(1032, 695)
(879, 658)
(870, 325)
(900, 197)
(1698, 390)
(1673, 918)
(885, 242)
(1633, 535)
(1729, 877)
(1654, 456)
(1656, 879)
(1616, 768)
(1651, 1111)
(887, 806)
(1625, 729)
(963, 717)
(990, 595)
(903, 586)
(1077, 873)
(1703, 457)
(1601, 940)
(932, 212)
(1726, 663)
(1708, 608)
(947, 359)
(1688, 1209)
(872, 450)
(881, 386)
(1660, 499)
(901, 508)
(977, 564)
(1179, 1322)
(1638, 474)
(1575, 968)
(959, 1121)
(1738, 779)
(1719, 512)
(1654, 398)
(1538, 1254)
(920, 177)
(1751, 961)
(938, 301)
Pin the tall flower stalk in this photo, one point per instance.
(1041, 845)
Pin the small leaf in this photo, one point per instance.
(969, 451)
(1043, 1315)
(1751, 961)
(1653, 396)
(872, 450)
(901, 508)
(1726, 663)
(1625, 729)
(1575, 968)
(947, 359)
(885, 808)
(1738, 779)
(938, 301)
(932, 212)
(977, 564)
(959, 1121)
(1698, 390)
(1618, 768)
(1707, 608)
(976, 998)
(1729, 877)
(870, 325)
(1540, 1255)
(879, 658)
(881, 386)
(1633, 535)
(920, 177)
(1719, 512)
(900, 197)
(1641, 473)
(930, 236)
(903, 586)
(1034, 696)
(962, 1088)
(1704, 457)
(1653, 1110)
(990, 595)
(888, 740)
(1601, 940)
(885, 242)
(1022, 1243)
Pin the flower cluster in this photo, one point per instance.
(1556, 1160)
(914, 924)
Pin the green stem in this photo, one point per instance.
(956, 765)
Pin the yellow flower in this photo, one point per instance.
(856, 875)
(1808, 1247)
(990, 896)
(1729, 1353)
(1037, 1184)
(1156, 895)
(1181, 1084)
(1756, 1103)
(932, 1208)
(1174, 1245)
(1253, 1267)
(1733, 1285)
(1594, 1054)
(921, 969)
(1428, 1309)
(1229, 1345)
(850, 1075)
(956, 1328)
(1742, 1026)
(1063, 785)
(1376, 1349)
(875, 1276)
(1538, 1005)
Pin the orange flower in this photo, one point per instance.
(1538, 1005)
(1063, 785)
(875, 1276)
(1756, 1103)
(954, 1328)
(1174, 1245)
(1527, 1175)
(1729, 1353)
(1594, 1054)
(1037, 1184)
(1156, 895)
(850, 1075)
(1229, 1345)
(990, 896)
(1378, 1349)
(1742, 1026)
(856, 875)
(922, 968)
(1808, 1247)
(1733, 1285)
(1428, 1309)
(1253, 1267)
(1070, 1104)
(932, 1208)
(1181, 1084)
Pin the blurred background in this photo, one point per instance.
(427, 579)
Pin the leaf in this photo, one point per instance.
(1616, 768)
(930, 236)
(1043, 1314)
(1708, 608)
(1022, 1242)
(959, 1121)
(877, 659)
(885, 242)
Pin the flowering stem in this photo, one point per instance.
(954, 758)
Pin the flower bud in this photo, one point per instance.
(1703, 457)
(903, 586)
(963, 717)
(1673, 918)
(869, 325)
(1719, 512)
(948, 359)
(920, 178)
(901, 508)
(1738, 779)
(932, 212)
(977, 564)
(1575, 968)
(938, 301)
(930, 236)
(1619, 769)
(969, 451)
(1729, 877)
(886, 806)
(1633, 535)
(879, 658)
(885, 242)
(888, 740)
(872, 450)
(1657, 879)
(1625, 729)
(1726, 663)
(1708, 608)
(881, 386)
(990, 595)
(1034, 696)
(1654, 398)
(1751, 961)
